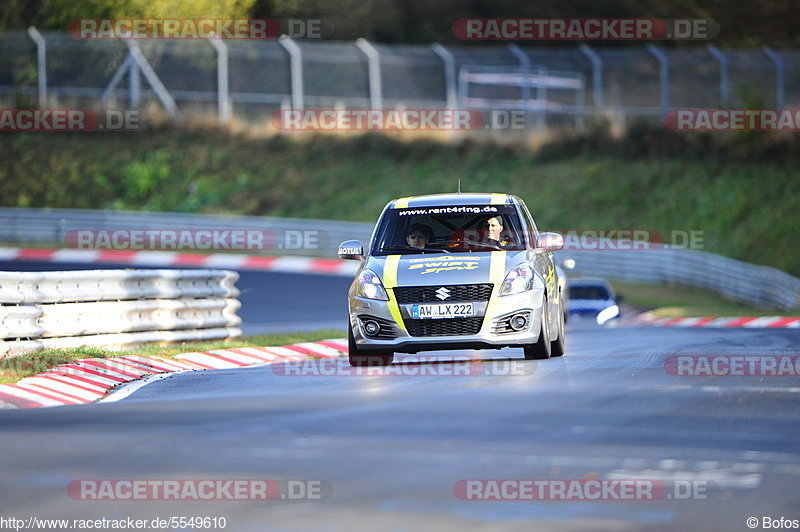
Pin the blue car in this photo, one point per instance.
(594, 299)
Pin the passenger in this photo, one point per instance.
(419, 235)
(493, 226)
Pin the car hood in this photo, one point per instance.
(577, 305)
(445, 268)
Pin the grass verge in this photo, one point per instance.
(739, 191)
(15, 368)
(678, 301)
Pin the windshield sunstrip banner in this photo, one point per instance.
(463, 209)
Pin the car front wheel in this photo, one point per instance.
(558, 345)
(360, 359)
(541, 349)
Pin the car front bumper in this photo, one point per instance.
(494, 313)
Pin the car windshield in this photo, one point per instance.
(449, 229)
(588, 292)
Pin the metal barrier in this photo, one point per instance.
(735, 279)
(114, 308)
(51, 226)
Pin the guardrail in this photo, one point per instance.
(741, 281)
(51, 226)
(734, 279)
(115, 308)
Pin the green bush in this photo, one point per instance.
(740, 190)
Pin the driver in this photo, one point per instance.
(419, 235)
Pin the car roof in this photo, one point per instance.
(466, 198)
(589, 281)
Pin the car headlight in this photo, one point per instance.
(370, 286)
(518, 280)
(607, 313)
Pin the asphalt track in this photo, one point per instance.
(392, 447)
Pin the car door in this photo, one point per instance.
(544, 263)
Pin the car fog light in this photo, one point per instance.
(519, 322)
(371, 327)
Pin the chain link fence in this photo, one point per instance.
(249, 80)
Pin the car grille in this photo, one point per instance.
(444, 327)
(458, 292)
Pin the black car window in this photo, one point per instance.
(454, 228)
(589, 292)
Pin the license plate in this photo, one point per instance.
(443, 311)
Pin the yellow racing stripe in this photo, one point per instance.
(389, 282)
(497, 270)
(499, 199)
(402, 203)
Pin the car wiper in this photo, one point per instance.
(474, 243)
(401, 247)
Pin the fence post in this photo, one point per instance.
(663, 69)
(525, 66)
(779, 85)
(223, 99)
(449, 73)
(463, 70)
(541, 96)
(41, 62)
(580, 102)
(723, 73)
(135, 89)
(115, 79)
(152, 78)
(296, 69)
(597, 74)
(374, 62)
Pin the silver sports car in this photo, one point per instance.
(455, 271)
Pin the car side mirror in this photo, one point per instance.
(550, 241)
(351, 250)
(620, 298)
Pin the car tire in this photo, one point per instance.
(558, 345)
(541, 349)
(359, 359)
